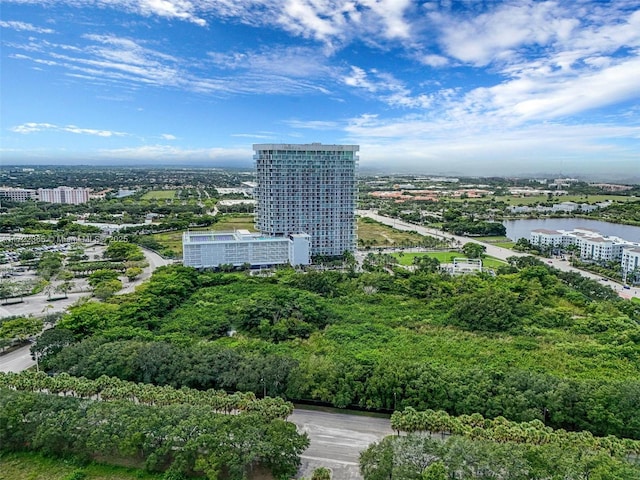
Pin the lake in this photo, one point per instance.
(522, 228)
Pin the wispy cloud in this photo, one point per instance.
(31, 127)
(386, 87)
(167, 153)
(171, 9)
(24, 27)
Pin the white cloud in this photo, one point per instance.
(168, 136)
(32, 127)
(498, 34)
(386, 87)
(22, 26)
(442, 146)
(166, 153)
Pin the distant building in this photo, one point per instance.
(463, 265)
(212, 249)
(68, 195)
(593, 245)
(17, 194)
(308, 188)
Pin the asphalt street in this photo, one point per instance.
(337, 440)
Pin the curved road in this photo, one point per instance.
(493, 250)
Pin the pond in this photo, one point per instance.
(522, 228)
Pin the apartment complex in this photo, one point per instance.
(592, 245)
(308, 188)
(17, 194)
(212, 249)
(631, 259)
(69, 195)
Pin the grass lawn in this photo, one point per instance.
(159, 195)
(377, 234)
(503, 242)
(30, 466)
(173, 240)
(445, 257)
(235, 222)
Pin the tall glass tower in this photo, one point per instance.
(308, 189)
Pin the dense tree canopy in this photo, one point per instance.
(531, 343)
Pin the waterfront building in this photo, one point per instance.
(631, 259)
(592, 244)
(308, 188)
(213, 249)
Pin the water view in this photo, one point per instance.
(521, 228)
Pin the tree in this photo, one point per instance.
(107, 289)
(132, 273)
(473, 250)
(100, 276)
(66, 285)
(50, 342)
(49, 265)
(321, 473)
(6, 289)
(376, 462)
(435, 471)
(20, 328)
(123, 251)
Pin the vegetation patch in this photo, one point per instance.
(159, 195)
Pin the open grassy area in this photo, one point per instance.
(503, 242)
(173, 240)
(445, 257)
(235, 222)
(159, 195)
(30, 466)
(377, 234)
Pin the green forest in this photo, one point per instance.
(530, 345)
(527, 341)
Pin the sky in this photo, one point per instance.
(466, 87)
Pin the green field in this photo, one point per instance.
(377, 234)
(503, 242)
(159, 195)
(35, 467)
(173, 240)
(445, 257)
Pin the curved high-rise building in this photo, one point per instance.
(308, 188)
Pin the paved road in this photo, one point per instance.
(493, 250)
(337, 440)
(16, 361)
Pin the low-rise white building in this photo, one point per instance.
(543, 237)
(212, 249)
(593, 245)
(631, 259)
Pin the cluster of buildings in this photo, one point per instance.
(305, 206)
(592, 245)
(67, 195)
(563, 207)
(404, 193)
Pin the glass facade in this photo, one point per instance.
(308, 188)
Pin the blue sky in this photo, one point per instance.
(463, 87)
